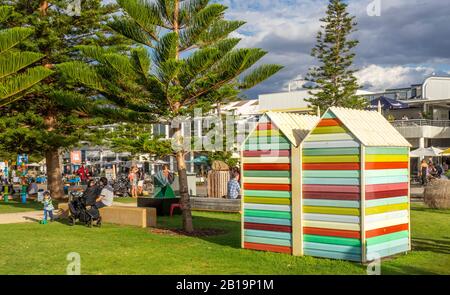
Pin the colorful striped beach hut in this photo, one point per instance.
(271, 182)
(355, 187)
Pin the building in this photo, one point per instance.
(427, 120)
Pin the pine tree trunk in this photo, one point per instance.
(184, 193)
(54, 176)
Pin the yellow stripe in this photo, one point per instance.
(331, 225)
(330, 159)
(387, 158)
(329, 129)
(386, 208)
(267, 160)
(272, 201)
(272, 180)
(331, 210)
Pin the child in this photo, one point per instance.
(48, 207)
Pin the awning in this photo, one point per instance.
(427, 152)
(388, 104)
(446, 152)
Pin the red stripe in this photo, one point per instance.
(386, 230)
(269, 227)
(332, 196)
(386, 187)
(332, 166)
(264, 126)
(265, 247)
(386, 194)
(267, 187)
(281, 153)
(277, 167)
(332, 232)
(329, 122)
(386, 165)
(331, 188)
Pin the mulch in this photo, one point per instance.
(201, 232)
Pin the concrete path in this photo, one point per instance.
(21, 217)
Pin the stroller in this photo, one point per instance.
(79, 211)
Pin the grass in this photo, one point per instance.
(41, 249)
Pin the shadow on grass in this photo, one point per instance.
(432, 245)
(430, 210)
(405, 270)
(230, 238)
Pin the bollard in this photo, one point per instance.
(6, 194)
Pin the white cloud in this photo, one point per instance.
(378, 78)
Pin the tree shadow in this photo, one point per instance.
(405, 270)
(432, 245)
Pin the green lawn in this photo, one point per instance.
(41, 249)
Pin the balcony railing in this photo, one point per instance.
(421, 122)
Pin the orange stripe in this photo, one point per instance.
(329, 122)
(267, 187)
(266, 247)
(386, 165)
(386, 230)
(265, 126)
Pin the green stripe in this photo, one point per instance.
(386, 201)
(269, 194)
(260, 173)
(388, 179)
(267, 213)
(331, 240)
(386, 172)
(267, 147)
(331, 151)
(386, 150)
(387, 238)
(332, 173)
(329, 115)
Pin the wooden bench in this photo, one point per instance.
(215, 204)
(142, 217)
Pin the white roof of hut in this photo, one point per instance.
(294, 126)
(370, 127)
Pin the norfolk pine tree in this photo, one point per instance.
(335, 83)
(183, 59)
(55, 116)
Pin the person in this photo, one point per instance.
(439, 170)
(140, 184)
(106, 197)
(48, 207)
(423, 173)
(132, 177)
(83, 172)
(233, 187)
(91, 193)
(405, 118)
(32, 189)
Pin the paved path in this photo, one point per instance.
(21, 217)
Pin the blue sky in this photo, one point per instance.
(407, 42)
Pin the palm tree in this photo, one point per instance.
(16, 77)
(182, 58)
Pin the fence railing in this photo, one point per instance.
(421, 122)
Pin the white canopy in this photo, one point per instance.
(427, 152)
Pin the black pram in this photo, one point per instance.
(82, 207)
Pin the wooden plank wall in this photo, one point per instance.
(387, 201)
(331, 192)
(267, 190)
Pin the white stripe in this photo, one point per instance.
(330, 144)
(331, 218)
(284, 208)
(386, 223)
(386, 216)
(268, 160)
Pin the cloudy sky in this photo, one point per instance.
(407, 42)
